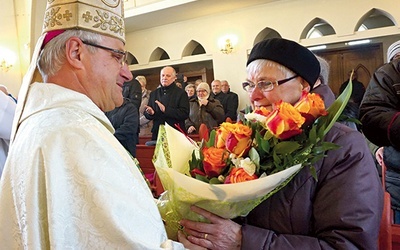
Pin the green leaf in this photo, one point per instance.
(211, 139)
(264, 145)
(336, 109)
(286, 147)
(313, 135)
(202, 178)
(313, 172)
(215, 180)
(329, 146)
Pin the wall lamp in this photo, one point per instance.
(4, 65)
(228, 48)
(227, 43)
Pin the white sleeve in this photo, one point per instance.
(7, 111)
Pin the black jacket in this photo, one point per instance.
(125, 122)
(380, 108)
(232, 103)
(176, 104)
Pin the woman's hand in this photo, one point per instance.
(219, 234)
(191, 129)
(189, 245)
(379, 155)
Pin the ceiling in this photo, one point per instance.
(166, 12)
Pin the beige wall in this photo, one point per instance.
(288, 18)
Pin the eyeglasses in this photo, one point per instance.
(121, 56)
(265, 86)
(201, 91)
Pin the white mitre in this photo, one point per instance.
(101, 16)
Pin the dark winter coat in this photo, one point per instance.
(380, 108)
(211, 115)
(125, 122)
(391, 158)
(176, 104)
(342, 210)
(232, 103)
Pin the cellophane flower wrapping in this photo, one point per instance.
(171, 157)
(174, 150)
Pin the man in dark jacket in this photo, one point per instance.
(379, 113)
(167, 104)
(216, 93)
(232, 101)
(125, 122)
(340, 210)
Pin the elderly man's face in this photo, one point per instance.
(216, 87)
(167, 76)
(224, 86)
(288, 92)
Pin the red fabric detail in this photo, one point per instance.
(50, 35)
(390, 126)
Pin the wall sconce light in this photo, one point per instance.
(5, 66)
(228, 48)
(227, 44)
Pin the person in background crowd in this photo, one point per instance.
(145, 124)
(358, 88)
(191, 91)
(125, 122)
(321, 86)
(167, 104)
(204, 109)
(68, 183)
(179, 85)
(197, 82)
(340, 210)
(218, 94)
(7, 110)
(379, 114)
(232, 101)
(4, 89)
(182, 80)
(133, 91)
(393, 51)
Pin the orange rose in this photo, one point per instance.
(311, 106)
(239, 175)
(214, 161)
(285, 121)
(235, 137)
(262, 111)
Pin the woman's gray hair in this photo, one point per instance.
(52, 57)
(257, 66)
(190, 85)
(324, 74)
(142, 79)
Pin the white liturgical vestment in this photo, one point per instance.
(69, 184)
(7, 110)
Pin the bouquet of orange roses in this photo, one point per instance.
(242, 164)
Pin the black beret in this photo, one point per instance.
(289, 54)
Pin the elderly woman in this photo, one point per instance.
(204, 109)
(342, 210)
(191, 91)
